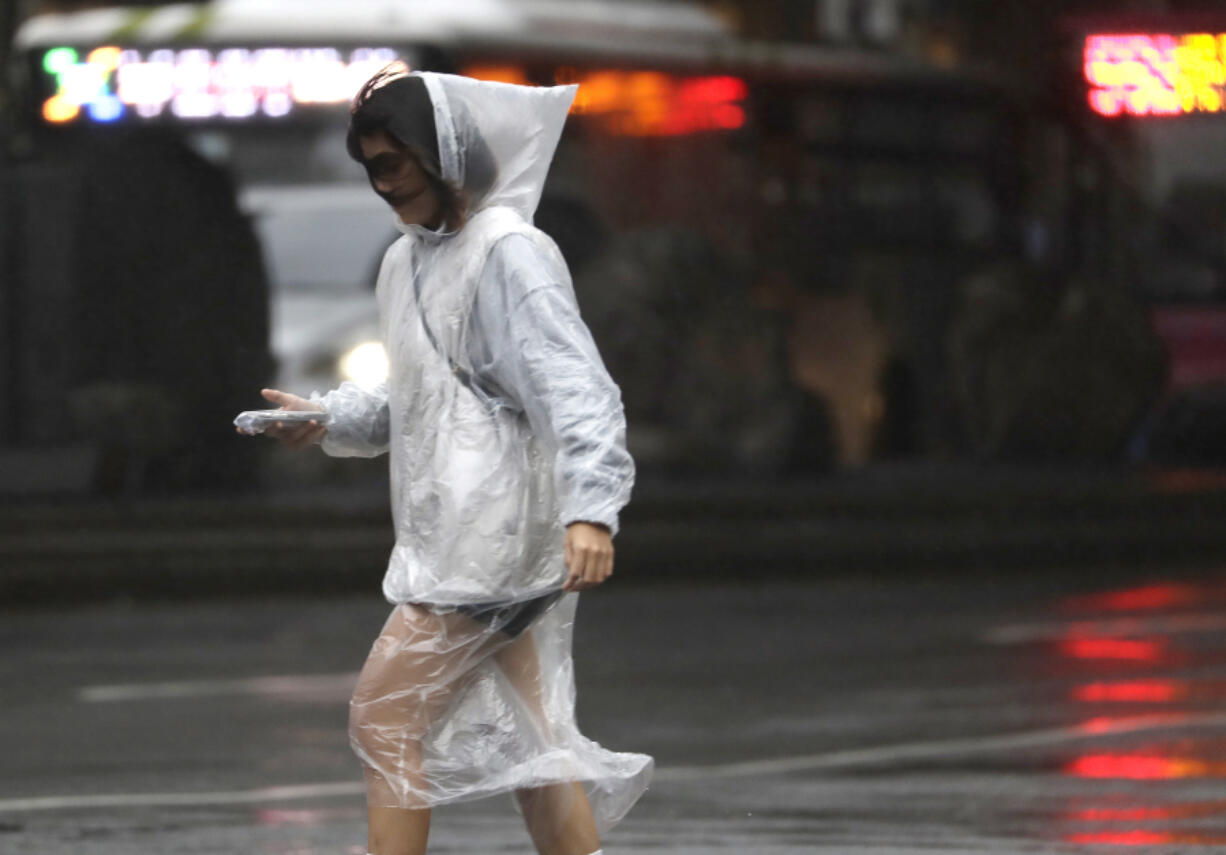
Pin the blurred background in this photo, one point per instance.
(918, 309)
(890, 255)
(812, 239)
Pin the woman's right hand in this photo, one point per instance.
(295, 436)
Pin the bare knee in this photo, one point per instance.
(559, 819)
(380, 725)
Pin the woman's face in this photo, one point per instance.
(399, 179)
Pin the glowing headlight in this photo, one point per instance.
(365, 365)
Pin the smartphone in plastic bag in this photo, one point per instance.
(258, 421)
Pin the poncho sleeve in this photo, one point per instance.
(357, 420)
(529, 345)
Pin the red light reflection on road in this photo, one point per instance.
(319, 816)
(1097, 725)
(1141, 629)
(1130, 724)
(1135, 691)
(1143, 813)
(1123, 838)
(1141, 767)
(1117, 649)
(287, 817)
(1146, 598)
(1119, 810)
(1141, 837)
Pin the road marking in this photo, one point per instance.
(938, 748)
(856, 758)
(327, 685)
(1174, 625)
(340, 685)
(221, 797)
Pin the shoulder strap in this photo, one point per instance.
(465, 378)
(487, 227)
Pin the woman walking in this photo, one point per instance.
(508, 469)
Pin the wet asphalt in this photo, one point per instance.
(1039, 710)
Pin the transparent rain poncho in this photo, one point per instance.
(502, 427)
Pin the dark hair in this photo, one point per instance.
(397, 103)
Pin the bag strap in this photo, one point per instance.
(465, 377)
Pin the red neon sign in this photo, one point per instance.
(1156, 74)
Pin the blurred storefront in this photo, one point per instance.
(726, 205)
(807, 235)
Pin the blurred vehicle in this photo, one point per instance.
(322, 246)
(697, 167)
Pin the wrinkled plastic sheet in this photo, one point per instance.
(457, 703)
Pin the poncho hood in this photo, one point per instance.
(497, 140)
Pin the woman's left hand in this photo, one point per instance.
(589, 555)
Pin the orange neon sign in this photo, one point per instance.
(1156, 74)
(643, 103)
(499, 74)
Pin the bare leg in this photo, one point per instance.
(558, 816)
(415, 667)
(559, 819)
(397, 831)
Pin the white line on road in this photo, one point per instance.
(340, 685)
(940, 748)
(883, 755)
(221, 797)
(1112, 627)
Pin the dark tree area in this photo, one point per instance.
(171, 313)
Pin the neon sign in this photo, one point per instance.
(644, 103)
(110, 83)
(1157, 74)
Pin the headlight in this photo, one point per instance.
(365, 365)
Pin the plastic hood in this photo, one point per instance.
(496, 140)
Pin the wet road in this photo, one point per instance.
(1028, 712)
